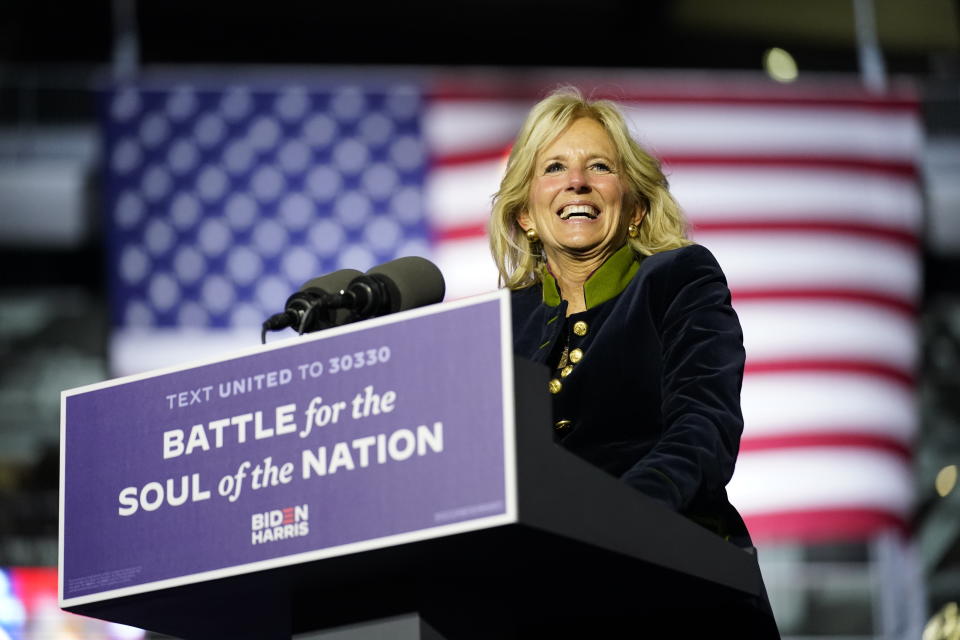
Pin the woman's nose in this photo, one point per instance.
(577, 180)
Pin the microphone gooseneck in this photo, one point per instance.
(311, 308)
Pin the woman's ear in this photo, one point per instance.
(524, 220)
(638, 216)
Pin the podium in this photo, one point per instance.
(402, 465)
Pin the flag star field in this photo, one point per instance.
(223, 202)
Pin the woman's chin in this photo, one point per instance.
(585, 249)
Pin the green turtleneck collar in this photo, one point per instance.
(611, 278)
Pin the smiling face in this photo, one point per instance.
(577, 203)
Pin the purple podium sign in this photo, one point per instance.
(386, 432)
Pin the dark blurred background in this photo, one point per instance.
(55, 56)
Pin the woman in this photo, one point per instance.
(632, 318)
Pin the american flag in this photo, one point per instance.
(221, 201)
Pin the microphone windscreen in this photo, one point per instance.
(417, 282)
(332, 282)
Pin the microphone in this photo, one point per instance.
(312, 307)
(347, 295)
(398, 285)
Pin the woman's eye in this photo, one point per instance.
(602, 166)
(553, 167)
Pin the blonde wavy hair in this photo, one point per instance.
(663, 226)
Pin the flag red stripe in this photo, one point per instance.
(893, 234)
(902, 236)
(822, 525)
(755, 367)
(462, 232)
(835, 438)
(473, 156)
(667, 94)
(841, 295)
(835, 163)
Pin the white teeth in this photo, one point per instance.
(578, 209)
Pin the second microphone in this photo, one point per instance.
(398, 285)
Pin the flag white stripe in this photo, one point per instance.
(466, 266)
(769, 193)
(821, 478)
(134, 350)
(783, 260)
(787, 330)
(780, 130)
(799, 403)
(457, 127)
(461, 195)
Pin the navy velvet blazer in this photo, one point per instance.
(649, 389)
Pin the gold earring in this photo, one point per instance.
(532, 236)
(633, 231)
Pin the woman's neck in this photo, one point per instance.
(571, 273)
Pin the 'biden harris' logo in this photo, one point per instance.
(280, 524)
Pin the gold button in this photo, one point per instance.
(561, 425)
(576, 355)
(580, 328)
(566, 371)
(555, 386)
